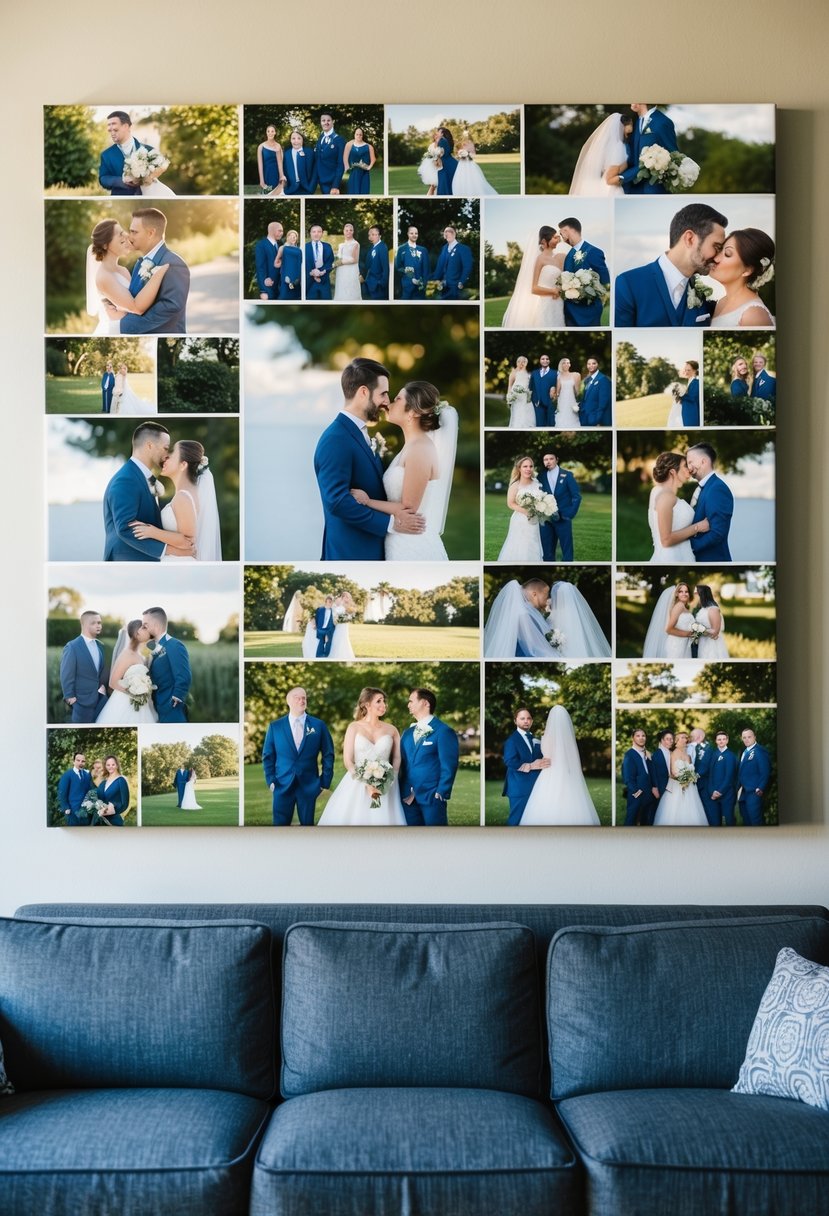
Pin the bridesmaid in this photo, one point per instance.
(269, 160)
(115, 792)
(739, 378)
(289, 266)
(358, 153)
(446, 161)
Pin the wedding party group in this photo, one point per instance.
(452, 268)
(303, 167)
(558, 398)
(93, 797)
(353, 273)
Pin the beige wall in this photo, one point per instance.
(514, 50)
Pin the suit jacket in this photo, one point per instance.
(540, 386)
(589, 257)
(755, 768)
(428, 767)
(343, 459)
(716, 504)
(375, 271)
(310, 768)
(107, 385)
(168, 314)
(516, 753)
(597, 401)
(637, 774)
(128, 497)
(72, 790)
(454, 267)
(703, 765)
(643, 299)
(418, 261)
(722, 778)
(764, 386)
(690, 403)
(80, 678)
(567, 492)
(319, 618)
(318, 289)
(111, 170)
(265, 256)
(329, 153)
(305, 180)
(180, 781)
(660, 770)
(659, 129)
(448, 165)
(170, 672)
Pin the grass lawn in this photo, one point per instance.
(464, 805)
(501, 169)
(377, 642)
(82, 394)
(496, 306)
(633, 536)
(591, 528)
(644, 411)
(252, 190)
(749, 629)
(219, 799)
(497, 806)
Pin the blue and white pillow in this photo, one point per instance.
(788, 1048)
(6, 1086)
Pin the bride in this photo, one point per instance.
(519, 400)
(192, 512)
(368, 738)
(669, 632)
(127, 653)
(420, 476)
(292, 620)
(678, 807)
(347, 278)
(671, 519)
(107, 279)
(523, 542)
(124, 400)
(745, 264)
(606, 149)
(188, 801)
(712, 645)
(535, 301)
(517, 627)
(560, 797)
(565, 395)
(469, 181)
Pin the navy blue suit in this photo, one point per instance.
(659, 129)
(72, 789)
(180, 781)
(376, 271)
(453, 269)
(754, 774)
(265, 255)
(637, 774)
(588, 257)
(690, 403)
(517, 785)
(118, 793)
(290, 273)
(540, 388)
(111, 169)
(739, 388)
(597, 401)
(325, 633)
(413, 286)
(764, 386)
(343, 459)
(643, 299)
(560, 531)
(661, 772)
(126, 498)
(427, 769)
(297, 775)
(168, 313)
(330, 169)
(722, 780)
(716, 504)
(304, 179)
(80, 678)
(318, 289)
(170, 672)
(448, 165)
(703, 763)
(107, 385)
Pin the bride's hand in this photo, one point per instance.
(360, 496)
(143, 531)
(703, 525)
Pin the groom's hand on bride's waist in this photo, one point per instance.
(407, 520)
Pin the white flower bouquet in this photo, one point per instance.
(378, 775)
(137, 685)
(93, 807)
(676, 172)
(517, 393)
(143, 163)
(582, 286)
(698, 631)
(698, 292)
(686, 775)
(538, 504)
(556, 638)
(465, 154)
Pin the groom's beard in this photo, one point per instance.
(373, 412)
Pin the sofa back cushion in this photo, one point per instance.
(403, 1005)
(662, 1005)
(132, 1003)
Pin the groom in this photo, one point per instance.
(523, 762)
(428, 764)
(345, 458)
(111, 165)
(329, 157)
(180, 782)
(132, 496)
(169, 668)
(324, 621)
(582, 256)
(559, 531)
(298, 761)
(712, 500)
(83, 672)
(167, 314)
(73, 786)
(653, 128)
(107, 386)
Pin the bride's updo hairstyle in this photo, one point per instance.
(515, 475)
(666, 463)
(365, 698)
(101, 238)
(192, 453)
(422, 400)
(545, 233)
(756, 250)
(133, 628)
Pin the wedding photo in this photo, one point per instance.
(690, 497)
(461, 150)
(642, 148)
(101, 375)
(438, 250)
(533, 612)
(705, 613)
(190, 776)
(696, 745)
(357, 745)
(362, 610)
(559, 384)
(702, 264)
(154, 152)
(346, 253)
(124, 267)
(92, 777)
(302, 149)
(740, 379)
(546, 263)
(658, 376)
(548, 498)
(272, 230)
(198, 375)
(547, 745)
(127, 490)
(154, 647)
(313, 382)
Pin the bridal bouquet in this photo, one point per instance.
(93, 807)
(516, 393)
(686, 775)
(659, 167)
(556, 638)
(378, 774)
(342, 617)
(137, 685)
(465, 154)
(698, 630)
(583, 286)
(538, 505)
(142, 163)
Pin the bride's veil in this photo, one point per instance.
(572, 614)
(559, 743)
(93, 296)
(523, 306)
(293, 617)
(120, 643)
(501, 629)
(594, 158)
(208, 531)
(445, 439)
(656, 639)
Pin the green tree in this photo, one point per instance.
(69, 146)
(727, 683)
(649, 682)
(65, 601)
(202, 144)
(158, 766)
(220, 755)
(630, 371)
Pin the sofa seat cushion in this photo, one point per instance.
(134, 1152)
(696, 1151)
(418, 1151)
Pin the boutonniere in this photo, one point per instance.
(157, 652)
(378, 444)
(750, 755)
(719, 758)
(300, 152)
(309, 730)
(578, 256)
(698, 292)
(647, 130)
(146, 270)
(417, 254)
(155, 486)
(422, 732)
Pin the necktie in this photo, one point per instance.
(527, 740)
(695, 496)
(297, 733)
(317, 252)
(296, 165)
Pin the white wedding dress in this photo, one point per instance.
(605, 147)
(679, 648)
(425, 546)
(169, 524)
(157, 190)
(680, 808)
(106, 328)
(349, 804)
(522, 411)
(523, 542)
(188, 802)
(567, 417)
(711, 648)
(119, 711)
(516, 628)
(571, 614)
(126, 402)
(526, 310)
(550, 308)
(469, 181)
(682, 516)
(347, 277)
(560, 797)
(427, 170)
(731, 320)
(341, 647)
(208, 528)
(674, 422)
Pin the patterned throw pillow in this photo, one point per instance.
(6, 1086)
(788, 1048)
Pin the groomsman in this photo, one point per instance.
(428, 763)
(722, 782)
(107, 385)
(73, 787)
(690, 401)
(83, 674)
(661, 764)
(375, 268)
(298, 761)
(324, 622)
(582, 256)
(412, 265)
(638, 780)
(561, 482)
(454, 266)
(319, 262)
(764, 384)
(267, 276)
(702, 756)
(329, 156)
(597, 397)
(754, 777)
(542, 380)
(653, 127)
(523, 761)
(299, 166)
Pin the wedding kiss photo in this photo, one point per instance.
(190, 776)
(459, 150)
(534, 612)
(531, 380)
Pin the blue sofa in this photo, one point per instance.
(450, 1060)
